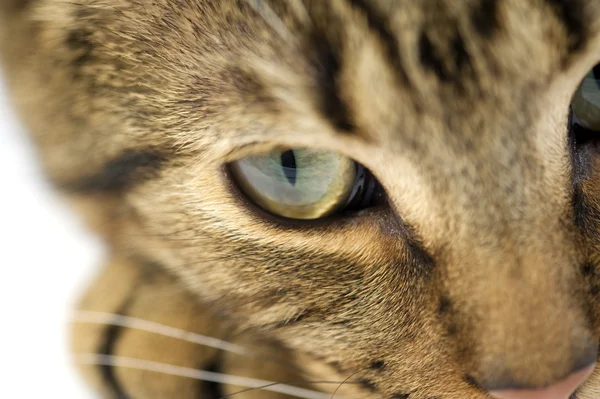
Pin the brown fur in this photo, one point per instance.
(482, 271)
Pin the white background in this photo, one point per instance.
(46, 258)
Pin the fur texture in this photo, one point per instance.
(483, 271)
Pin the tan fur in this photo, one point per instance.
(481, 270)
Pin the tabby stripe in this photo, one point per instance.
(211, 389)
(585, 214)
(572, 15)
(431, 60)
(332, 105)
(128, 169)
(486, 18)
(379, 25)
(111, 336)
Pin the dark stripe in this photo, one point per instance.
(80, 40)
(430, 59)
(586, 215)
(130, 168)
(447, 64)
(377, 365)
(368, 384)
(82, 46)
(210, 389)
(460, 57)
(111, 336)
(329, 64)
(571, 14)
(485, 18)
(379, 25)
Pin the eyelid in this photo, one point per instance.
(245, 150)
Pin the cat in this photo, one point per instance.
(342, 198)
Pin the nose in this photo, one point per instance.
(560, 390)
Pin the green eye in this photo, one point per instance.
(303, 183)
(586, 101)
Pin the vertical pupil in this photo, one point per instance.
(288, 163)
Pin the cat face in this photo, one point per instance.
(479, 268)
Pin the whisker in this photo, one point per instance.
(87, 316)
(271, 18)
(164, 368)
(248, 390)
(103, 318)
(343, 382)
(276, 383)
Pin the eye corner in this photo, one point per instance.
(581, 137)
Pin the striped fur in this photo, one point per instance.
(483, 271)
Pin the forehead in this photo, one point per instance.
(426, 55)
(446, 49)
(380, 64)
(370, 67)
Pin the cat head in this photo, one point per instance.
(477, 267)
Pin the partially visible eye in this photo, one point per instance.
(305, 183)
(586, 101)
